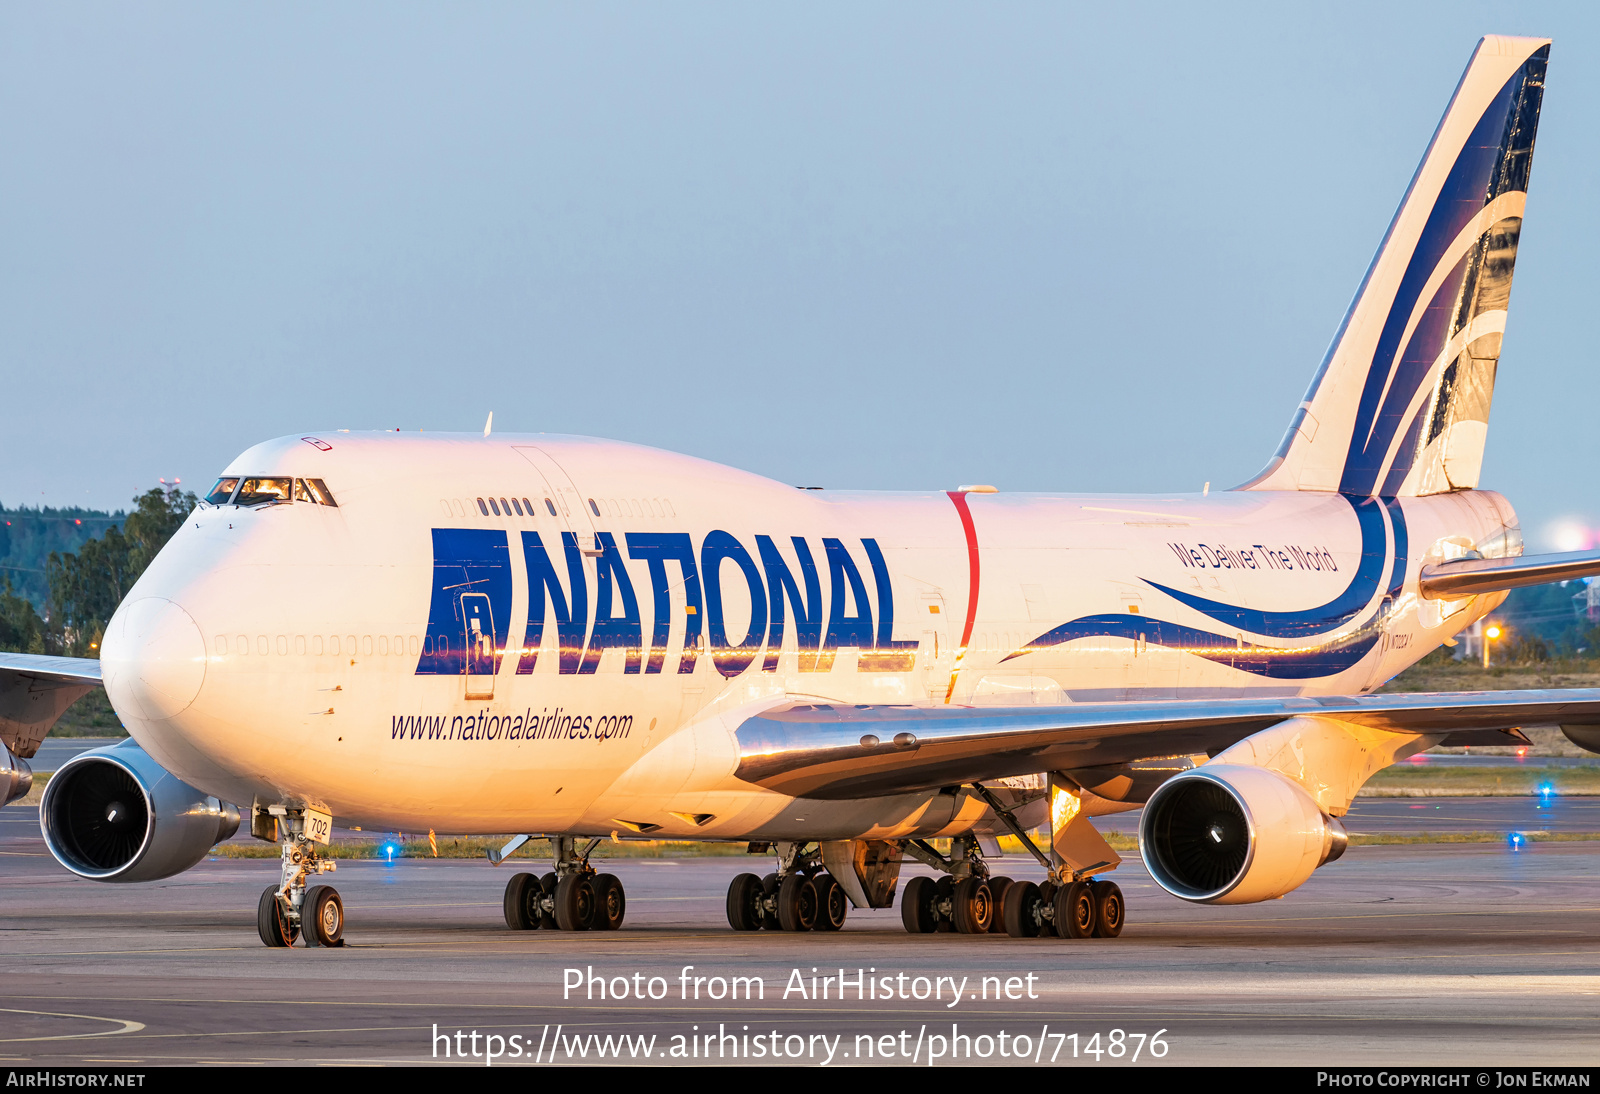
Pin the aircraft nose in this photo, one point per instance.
(153, 659)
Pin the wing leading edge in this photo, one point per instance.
(820, 750)
(35, 691)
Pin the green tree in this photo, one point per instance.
(86, 587)
(21, 629)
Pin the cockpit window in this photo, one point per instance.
(221, 492)
(261, 491)
(314, 491)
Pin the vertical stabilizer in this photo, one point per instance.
(1400, 405)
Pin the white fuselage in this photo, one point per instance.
(322, 655)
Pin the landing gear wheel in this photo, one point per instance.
(1108, 909)
(547, 888)
(744, 903)
(522, 903)
(769, 902)
(797, 903)
(916, 906)
(322, 917)
(997, 894)
(832, 904)
(972, 906)
(1047, 899)
(944, 891)
(610, 902)
(575, 903)
(273, 926)
(1020, 910)
(1075, 910)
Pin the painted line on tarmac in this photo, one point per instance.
(128, 1026)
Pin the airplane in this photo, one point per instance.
(582, 639)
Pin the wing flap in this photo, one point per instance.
(834, 751)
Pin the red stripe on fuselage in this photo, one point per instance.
(960, 499)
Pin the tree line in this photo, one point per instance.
(86, 585)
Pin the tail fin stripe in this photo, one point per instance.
(1470, 186)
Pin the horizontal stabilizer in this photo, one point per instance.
(1471, 576)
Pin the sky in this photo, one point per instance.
(1044, 246)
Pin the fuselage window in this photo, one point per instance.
(283, 645)
(383, 645)
(482, 508)
(505, 506)
(300, 644)
(495, 507)
(595, 509)
(241, 645)
(221, 492)
(518, 506)
(550, 505)
(261, 644)
(263, 491)
(316, 645)
(527, 507)
(222, 645)
(333, 644)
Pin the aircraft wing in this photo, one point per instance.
(35, 691)
(822, 750)
(1471, 576)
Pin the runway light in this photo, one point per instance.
(389, 850)
(1546, 789)
(1522, 752)
(1516, 840)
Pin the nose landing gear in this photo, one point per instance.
(289, 909)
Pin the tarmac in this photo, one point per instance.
(1471, 955)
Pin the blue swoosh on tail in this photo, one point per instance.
(1326, 617)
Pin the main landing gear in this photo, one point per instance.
(799, 896)
(1070, 903)
(572, 897)
(290, 909)
(967, 900)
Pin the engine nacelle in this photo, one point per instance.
(114, 814)
(16, 777)
(1235, 834)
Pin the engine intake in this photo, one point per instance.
(114, 814)
(1235, 834)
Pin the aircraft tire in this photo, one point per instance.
(972, 906)
(1109, 910)
(610, 902)
(744, 903)
(916, 906)
(797, 903)
(997, 893)
(274, 927)
(521, 910)
(575, 903)
(1047, 899)
(1075, 911)
(1019, 910)
(322, 917)
(832, 904)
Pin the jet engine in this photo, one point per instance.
(114, 814)
(1235, 834)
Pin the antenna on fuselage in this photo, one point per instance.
(488, 425)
